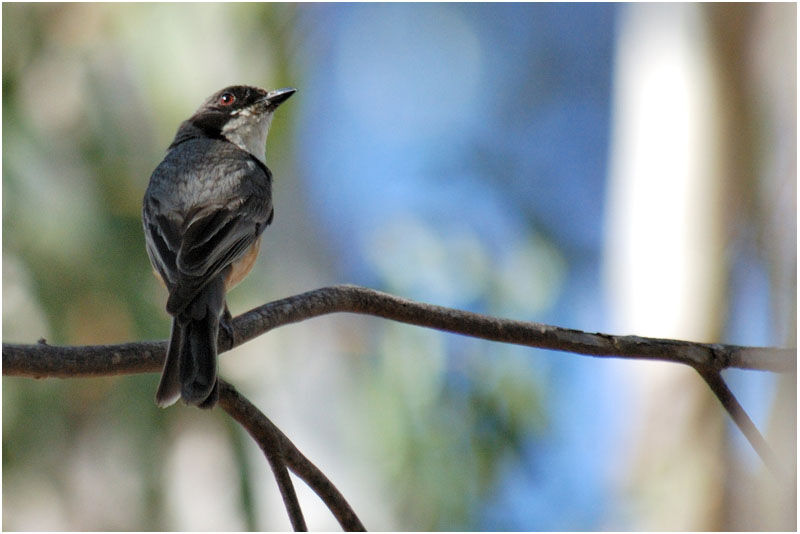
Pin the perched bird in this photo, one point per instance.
(204, 211)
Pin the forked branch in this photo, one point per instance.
(708, 359)
(281, 452)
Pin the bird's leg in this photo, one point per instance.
(225, 323)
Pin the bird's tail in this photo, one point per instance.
(198, 363)
(190, 369)
(169, 388)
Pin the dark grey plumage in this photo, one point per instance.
(204, 211)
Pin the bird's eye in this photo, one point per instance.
(226, 99)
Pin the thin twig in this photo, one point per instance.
(322, 486)
(253, 421)
(270, 438)
(731, 404)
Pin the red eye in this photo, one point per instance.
(226, 99)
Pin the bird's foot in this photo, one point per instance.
(226, 324)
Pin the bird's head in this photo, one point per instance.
(239, 114)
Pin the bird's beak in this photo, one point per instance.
(276, 97)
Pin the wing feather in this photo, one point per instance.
(203, 226)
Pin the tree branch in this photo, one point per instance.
(43, 360)
(742, 420)
(280, 450)
(263, 431)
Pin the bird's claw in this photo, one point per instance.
(226, 324)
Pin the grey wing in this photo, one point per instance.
(162, 240)
(214, 239)
(195, 228)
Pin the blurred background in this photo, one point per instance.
(620, 168)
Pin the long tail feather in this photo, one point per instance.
(169, 388)
(198, 360)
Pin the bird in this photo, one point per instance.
(204, 212)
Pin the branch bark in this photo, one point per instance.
(262, 430)
(708, 359)
(731, 404)
(42, 360)
(280, 448)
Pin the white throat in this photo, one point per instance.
(248, 131)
